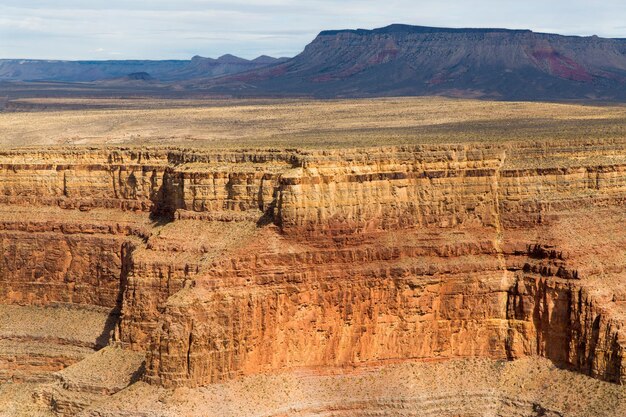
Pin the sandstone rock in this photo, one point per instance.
(225, 264)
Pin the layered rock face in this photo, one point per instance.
(404, 60)
(222, 264)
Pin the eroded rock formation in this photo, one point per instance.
(219, 264)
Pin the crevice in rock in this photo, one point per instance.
(562, 324)
(168, 198)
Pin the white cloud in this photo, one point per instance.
(75, 29)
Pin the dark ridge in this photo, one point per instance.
(119, 62)
(400, 28)
(231, 59)
(141, 76)
(265, 59)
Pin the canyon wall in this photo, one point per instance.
(227, 263)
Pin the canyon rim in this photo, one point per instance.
(397, 222)
(445, 278)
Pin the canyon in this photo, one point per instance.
(315, 275)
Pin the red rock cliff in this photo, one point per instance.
(221, 264)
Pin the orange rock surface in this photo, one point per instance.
(223, 264)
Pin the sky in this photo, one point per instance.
(180, 29)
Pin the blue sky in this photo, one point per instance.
(179, 29)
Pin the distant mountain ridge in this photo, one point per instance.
(226, 64)
(416, 60)
(165, 70)
(396, 60)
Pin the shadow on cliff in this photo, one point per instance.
(167, 199)
(109, 328)
(112, 322)
(266, 219)
(138, 374)
(268, 214)
(161, 218)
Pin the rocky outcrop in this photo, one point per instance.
(403, 60)
(37, 341)
(559, 321)
(219, 264)
(92, 380)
